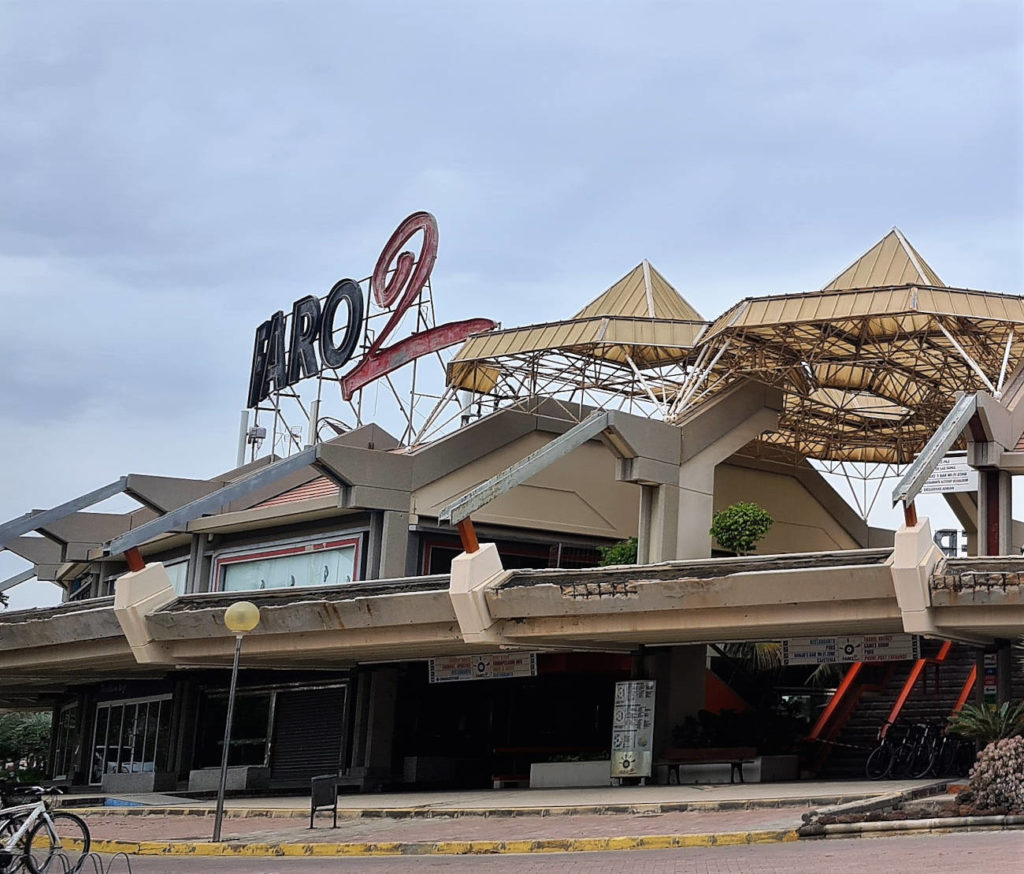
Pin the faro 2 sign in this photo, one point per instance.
(336, 327)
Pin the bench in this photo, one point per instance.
(734, 757)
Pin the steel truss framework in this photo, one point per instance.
(584, 377)
(871, 387)
(863, 392)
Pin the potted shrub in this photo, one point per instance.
(741, 527)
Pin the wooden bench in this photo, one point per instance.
(734, 757)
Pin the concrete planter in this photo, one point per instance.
(553, 775)
(150, 781)
(776, 769)
(239, 777)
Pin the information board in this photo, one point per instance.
(952, 474)
(488, 666)
(633, 729)
(857, 648)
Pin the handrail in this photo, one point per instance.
(915, 675)
(972, 678)
(836, 700)
(935, 449)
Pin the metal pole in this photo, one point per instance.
(227, 741)
(243, 434)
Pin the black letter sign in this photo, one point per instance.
(338, 355)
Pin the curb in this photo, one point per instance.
(862, 805)
(454, 812)
(934, 825)
(445, 848)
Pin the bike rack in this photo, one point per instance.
(91, 863)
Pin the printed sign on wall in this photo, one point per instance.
(856, 648)
(633, 729)
(488, 666)
(952, 474)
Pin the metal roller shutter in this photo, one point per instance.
(308, 734)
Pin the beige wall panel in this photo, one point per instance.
(577, 494)
(802, 523)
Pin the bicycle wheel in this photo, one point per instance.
(9, 855)
(922, 762)
(945, 763)
(879, 762)
(902, 759)
(57, 844)
(965, 755)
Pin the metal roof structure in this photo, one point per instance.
(869, 370)
(870, 364)
(631, 344)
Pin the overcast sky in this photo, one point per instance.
(173, 172)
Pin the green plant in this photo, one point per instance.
(987, 722)
(623, 552)
(739, 528)
(25, 739)
(997, 778)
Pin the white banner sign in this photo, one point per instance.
(489, 666)
(859, 648)
(952, 474)
(633, 729)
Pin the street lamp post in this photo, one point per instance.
(240, 617)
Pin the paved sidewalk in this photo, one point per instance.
(503, 821)
(487, 801)
(444, 828)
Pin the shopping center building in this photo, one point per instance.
(432, 612)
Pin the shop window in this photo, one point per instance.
(250, 729)
(302, 565)
(438, 554)
(178, 572)
(66, 746)
(130, 737)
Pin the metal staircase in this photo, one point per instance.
(933, 697)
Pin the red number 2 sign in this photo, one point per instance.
(405, 286)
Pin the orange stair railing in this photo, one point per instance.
(908, 687)
(972, 678)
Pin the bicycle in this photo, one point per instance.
(36, 839)
(956, 755)
(880, 759)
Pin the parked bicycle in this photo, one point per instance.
(880, 758)
(955, 756)
(924, 749)
(35, 839)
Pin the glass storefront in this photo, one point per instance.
(130, 737)
(66, 746)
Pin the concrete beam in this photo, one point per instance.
(17, 579)
(37, 519)
(163, 493)
(179, 518)
(138, 594)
